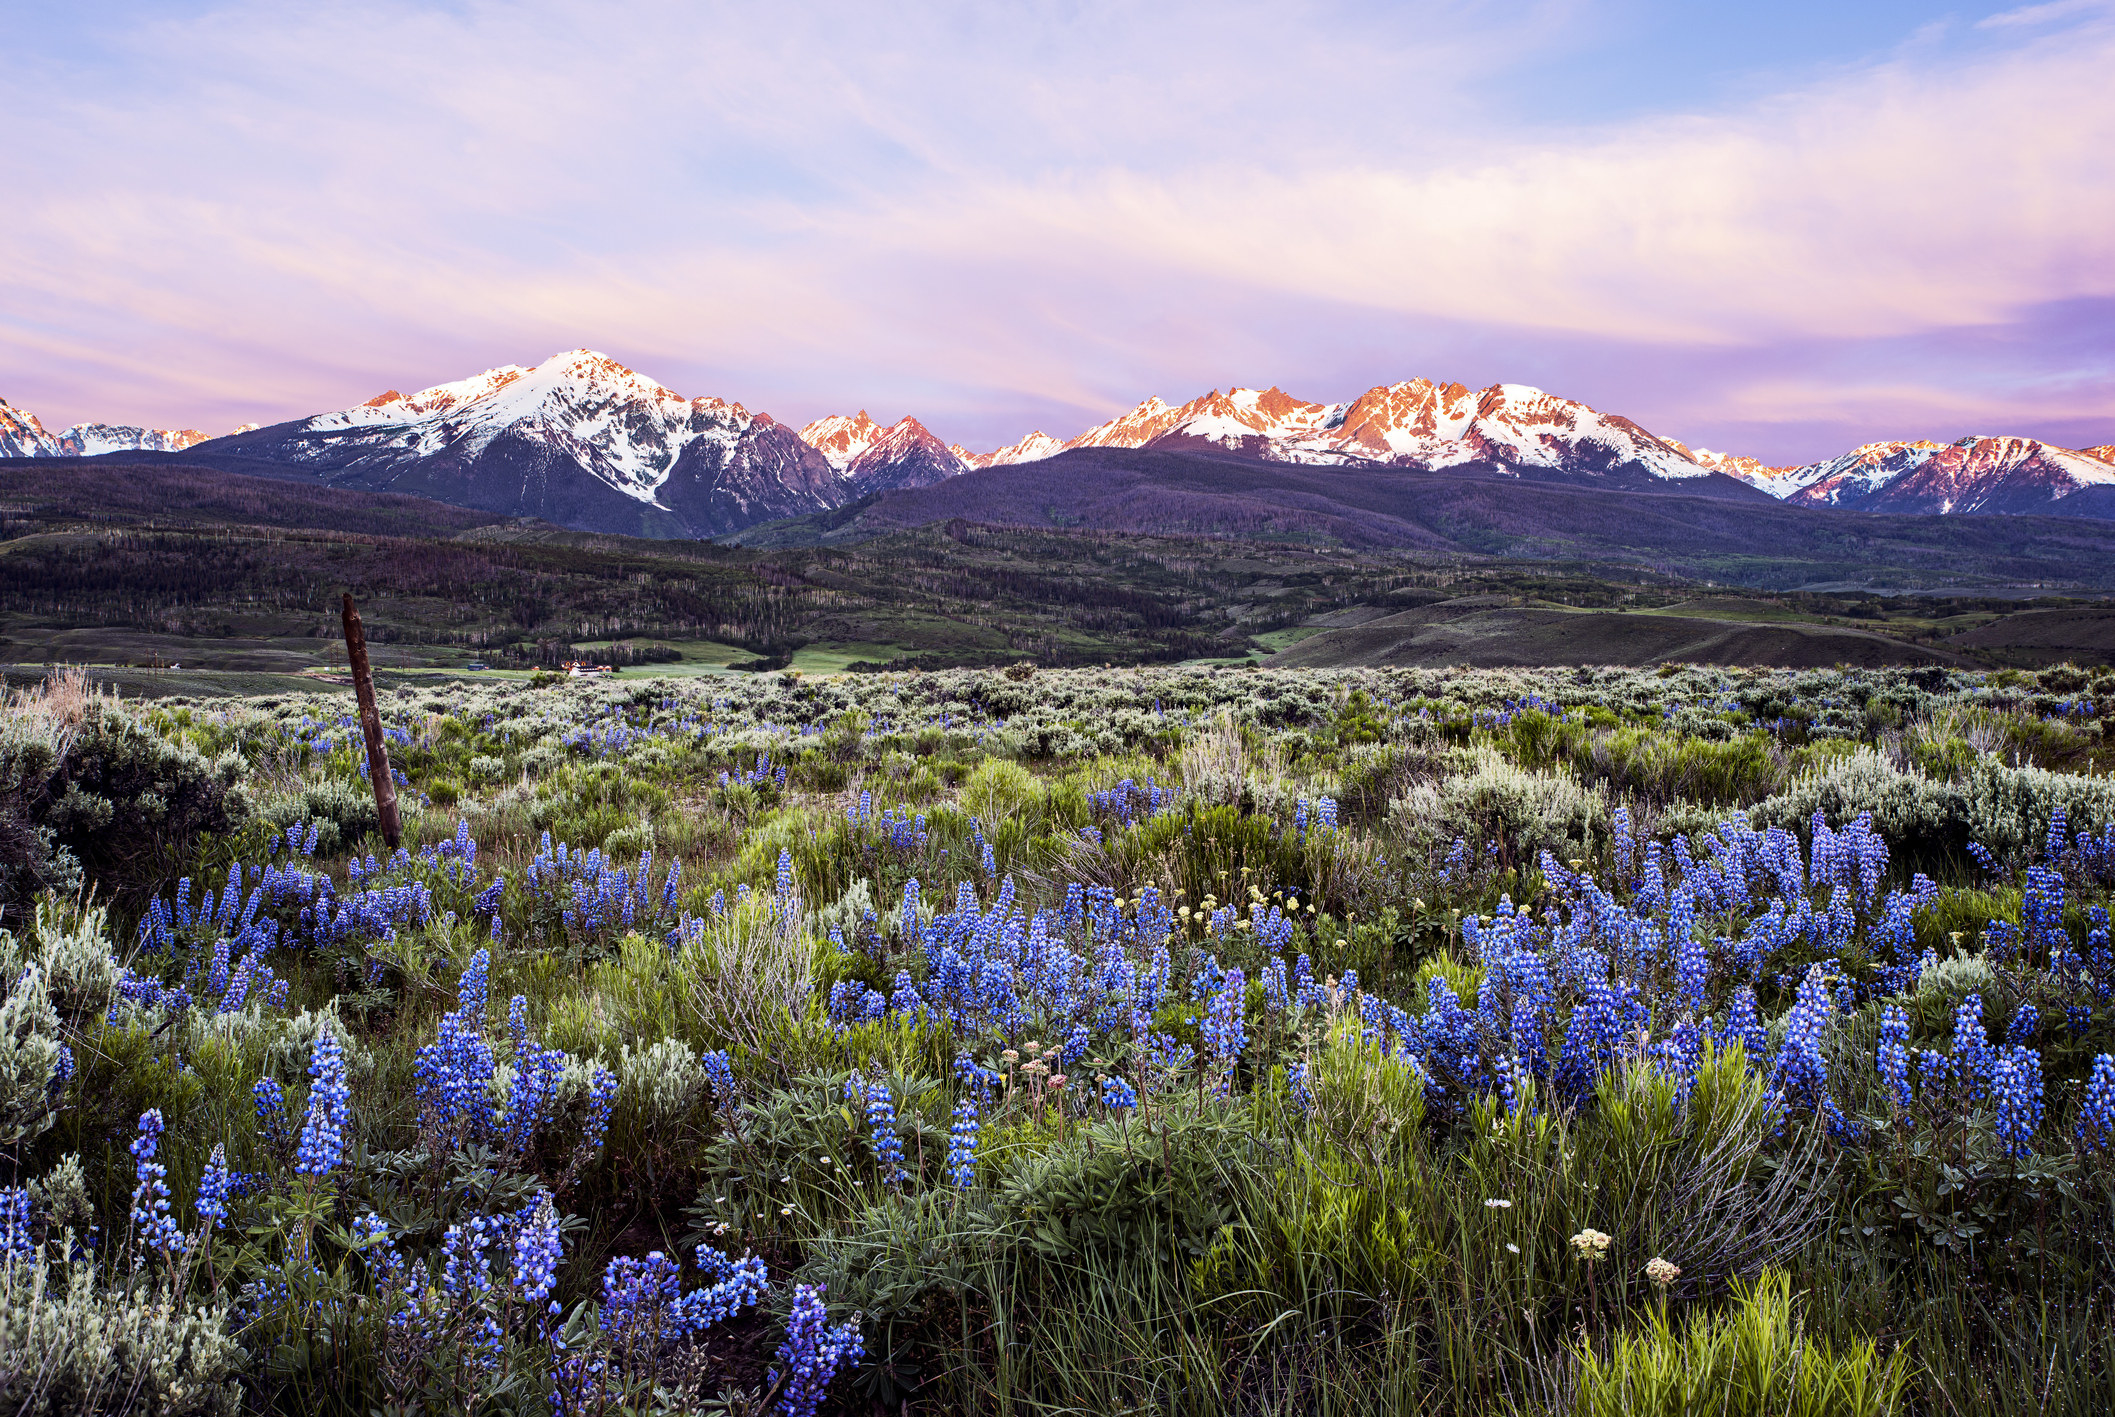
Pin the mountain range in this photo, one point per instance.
(22, 436)
(582, 441)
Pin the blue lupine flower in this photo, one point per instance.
(2016, 1081)
(471, 989)
(812, 1353)
(1801, 1075)
(602, 1098)
(962, 1145)
(1224, 1029)
(150, 1198)
(1118, 1095)
(719, 1071)
(882, 1135)
(1973, 1059)
(1303, 1096)
(213, 1187)
(270, 1100)
(577, 1388)
(379, 1251)
(737, 1284)
(644, 1308)
(322, 1143)
(537, 1252)
(14, 1223)
(466, 1270)
(1893, 1057)
(2096, 1110)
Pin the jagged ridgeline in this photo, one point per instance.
(1190, 1039)
(582, 441)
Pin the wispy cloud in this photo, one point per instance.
(2054, 12)
(998, 214)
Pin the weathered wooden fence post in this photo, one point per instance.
(371, 725)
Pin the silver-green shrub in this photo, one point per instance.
(31, 1056)
(659, 1084)
(1495, 801)
(68, 1345)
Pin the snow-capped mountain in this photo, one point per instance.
(1507, 429)
(1266, 423)
(840, 439)
(579, 440)
(1753, 471)
(1976, 474)
(1031, 448)
(23, 436)
(871, 458)
(586, 442)
(87, 440)
(905, 455)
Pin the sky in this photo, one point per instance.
(1777, 230)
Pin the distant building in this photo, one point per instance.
(475, 664)
(578, 670)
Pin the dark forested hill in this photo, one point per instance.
(1744, 538)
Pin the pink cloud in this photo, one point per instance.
(992, 217)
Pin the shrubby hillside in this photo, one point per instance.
(1158, 1039)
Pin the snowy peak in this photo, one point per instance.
(1402, 418)
(2105, 452)
(1033, 448)
(1752, 471)
(625, 429)
(840, 439)
(579, 439)
(86, 440)
(1522, 427)
(1129, 430)
(1249, 420)
(1508, 428)
(904, 455)
(22, 436)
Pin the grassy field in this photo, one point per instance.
(1486, 631)
(1196, 1040)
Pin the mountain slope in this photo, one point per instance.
(579, 440)
(1675, 526)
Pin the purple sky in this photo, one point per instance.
(1778, 230)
